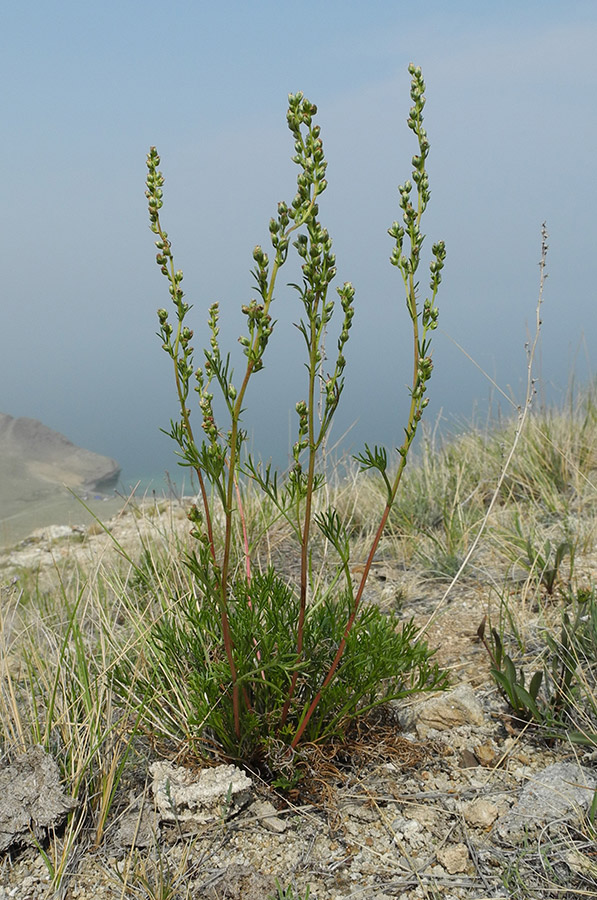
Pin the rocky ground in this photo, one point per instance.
(445, 797)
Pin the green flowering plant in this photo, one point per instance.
(268, 663)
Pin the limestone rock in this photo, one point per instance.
(480, 813)
(51, 533)
(559, 793)
(446, 711)
(454, 859)
(139, 826)
(31, 798)
(267, 814)
(195, 799)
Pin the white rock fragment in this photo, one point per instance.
(198, 798)
(32, 799)
(454, 859)
(480, 813)
(560, 793)
(447, 711)
(266, 812)
(53, 533)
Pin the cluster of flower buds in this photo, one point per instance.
(216, 455)
(397, 232)
(300, 111)
(430, 315)
(155, 183)
(415, 123)
(154, 194)
(319, 268)
(184, 366)
(261, 270)
(405, 191)
(283, 215)
(194, 514)
(334, 384)
(308, 154)
(303, 430)
(253, 311)
(303, 414)
(164, 254)
(196, 518)
(346, 294)
(260, 330)
(425, 368)
(186, 335)
(436, 265)
(419, 411)
(208, 424)
(410, 216)
(175, 291)
(212, 321)
(332, 392)
(278, 235)
(166, 329)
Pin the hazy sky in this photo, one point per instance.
(88, 87)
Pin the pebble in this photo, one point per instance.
(454, 859)
(267, 814)
(480, 813)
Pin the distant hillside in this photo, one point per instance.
(37, 462)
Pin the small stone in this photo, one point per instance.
(480, 813)
(31, 798)
(139, 827)
(437, 871)
(447, 711)
(486, 755)
(426, 816)
(196, 799)
(468, 760)
(454, 859)
(267, 814)
(52, 533)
